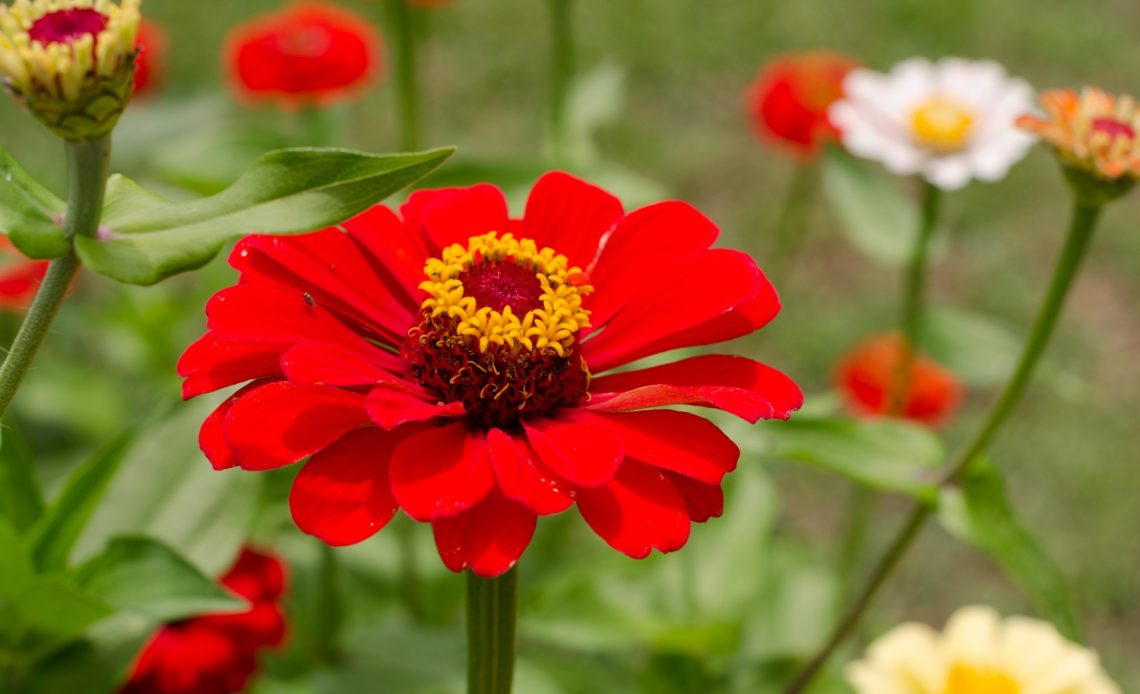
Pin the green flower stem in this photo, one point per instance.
(492, 611)
(792, 223)
(87, 166)
(561, 74)
(328, 621)
(407, 74)
(1085, 216)
(410, 586)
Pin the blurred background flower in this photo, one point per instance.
(870, 374)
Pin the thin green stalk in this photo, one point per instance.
(87, 166)
(328, 621)
(792, 222)
(1085, 216)
(561, 74)
(411, 590)
(492, 612)
(407, 74)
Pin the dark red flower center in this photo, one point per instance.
(503, 283)
(67, 26)
(1113, 128)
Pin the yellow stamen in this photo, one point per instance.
(552, 327)
(942, 124)
(970, 679)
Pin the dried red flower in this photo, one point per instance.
(217, 654)
(151, 43)
(867, 375)
(305, 54)
(789, 100)
(19, 277)
(422, 368)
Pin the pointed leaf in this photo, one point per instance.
(147, 577)
(29, 213)
(290, 191)
(980, 513)
(21, 501)
(52, 611)
(98, 663)
(884, 454)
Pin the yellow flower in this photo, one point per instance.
(70, 61)
(978, 653)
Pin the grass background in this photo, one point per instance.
(1072, 453)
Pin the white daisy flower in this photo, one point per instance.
(978, 652)
(949, 121)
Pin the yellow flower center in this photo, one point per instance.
(499, 330)
(942, 124)
(971, 679)
(507, 292)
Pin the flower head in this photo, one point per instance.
(949, 121)
(217, 654)
(19, 277)
(789, 100)
(448, 361)
(1093, 133)
(978, 653)
(70, 62)
(308, 53)
(151, 44)
(868, 376)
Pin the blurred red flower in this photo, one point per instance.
(430, 362)
(788, 102)
(151, 43)
(217, 654)
(867, 375)
(305, 54)
(19, 277)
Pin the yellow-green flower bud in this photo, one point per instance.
(71, 62)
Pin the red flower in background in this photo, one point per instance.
(217, 654)
(305, 54)
(19, 277)
(867, 375)
(445, 361)
(788, 102)
(151, 43)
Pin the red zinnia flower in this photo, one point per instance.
(444, 361)
(867, 375)
(19, 277)
(151, 43)
(217, 654)
(305, 54)
(788, 102)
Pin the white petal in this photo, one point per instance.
(972, 632)
(949, 172)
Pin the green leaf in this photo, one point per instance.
(980, 513)
(978, 349)
(29, 213)
(884, 454)
(98, 663)
(167, 490)
(55, 533)
(877, 219)
(21, 501)
(144, 576)
(16, 570)
(52, 611)
(285, 192)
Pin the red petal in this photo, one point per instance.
(580, 447)
(704, 287)
(638, 510)
(704, 501)
(441, 471)
(211, 439)
(330, 268)
(390, 408)
(746, 388)
(211, 363)
(678, 441)
(569, 215)
(658, 236)
(394, 244)
(488, 539)
(279, 423)
(454, 215)
(523, 478)
(320, 363)
(342, 494)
